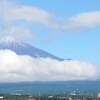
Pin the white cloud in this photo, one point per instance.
(19, 18)
(83, 20)
(25, 13)
(14, 16)
(10, 12)
(17, 68)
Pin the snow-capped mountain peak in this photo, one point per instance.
(22, 48)
(10, 41)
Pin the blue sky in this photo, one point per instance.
(82, 43)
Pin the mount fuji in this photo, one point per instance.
(22, 48)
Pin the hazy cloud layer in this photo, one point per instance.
(17, 68)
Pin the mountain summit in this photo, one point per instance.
(22, 48)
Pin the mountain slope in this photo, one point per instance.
(22, 48)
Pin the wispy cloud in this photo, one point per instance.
(13, 16)
(83, 20)
(25, 68)
(12, 13)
